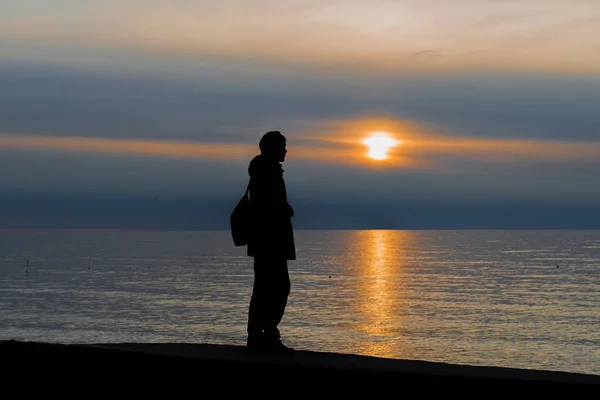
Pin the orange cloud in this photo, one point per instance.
(338, 142)
(170, 149)
(421, 147)
(153, 148)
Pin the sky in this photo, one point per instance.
(144, 114)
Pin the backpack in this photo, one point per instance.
(239, 220)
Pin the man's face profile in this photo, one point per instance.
(277, 150)
(281, 151)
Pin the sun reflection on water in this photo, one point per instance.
(379, 301)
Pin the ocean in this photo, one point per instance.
(521, 299)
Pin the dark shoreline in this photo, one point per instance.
(186, 364)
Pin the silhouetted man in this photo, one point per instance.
(271, 243)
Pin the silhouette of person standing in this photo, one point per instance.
(271, 243)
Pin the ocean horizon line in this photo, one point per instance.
(297, 229)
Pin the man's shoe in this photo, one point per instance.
(255, 344)
(279, 349)
(260, 345)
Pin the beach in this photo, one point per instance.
(344, 373)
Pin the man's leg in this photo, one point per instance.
(257, 312)
(278, 296)
(279, 290)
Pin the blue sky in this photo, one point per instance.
(132, 114)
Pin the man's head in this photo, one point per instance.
(272, 145)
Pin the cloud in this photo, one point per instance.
(217, 106)
(339, 142)
(149, 148)
(358, 35)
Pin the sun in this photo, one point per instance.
(379, 143)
